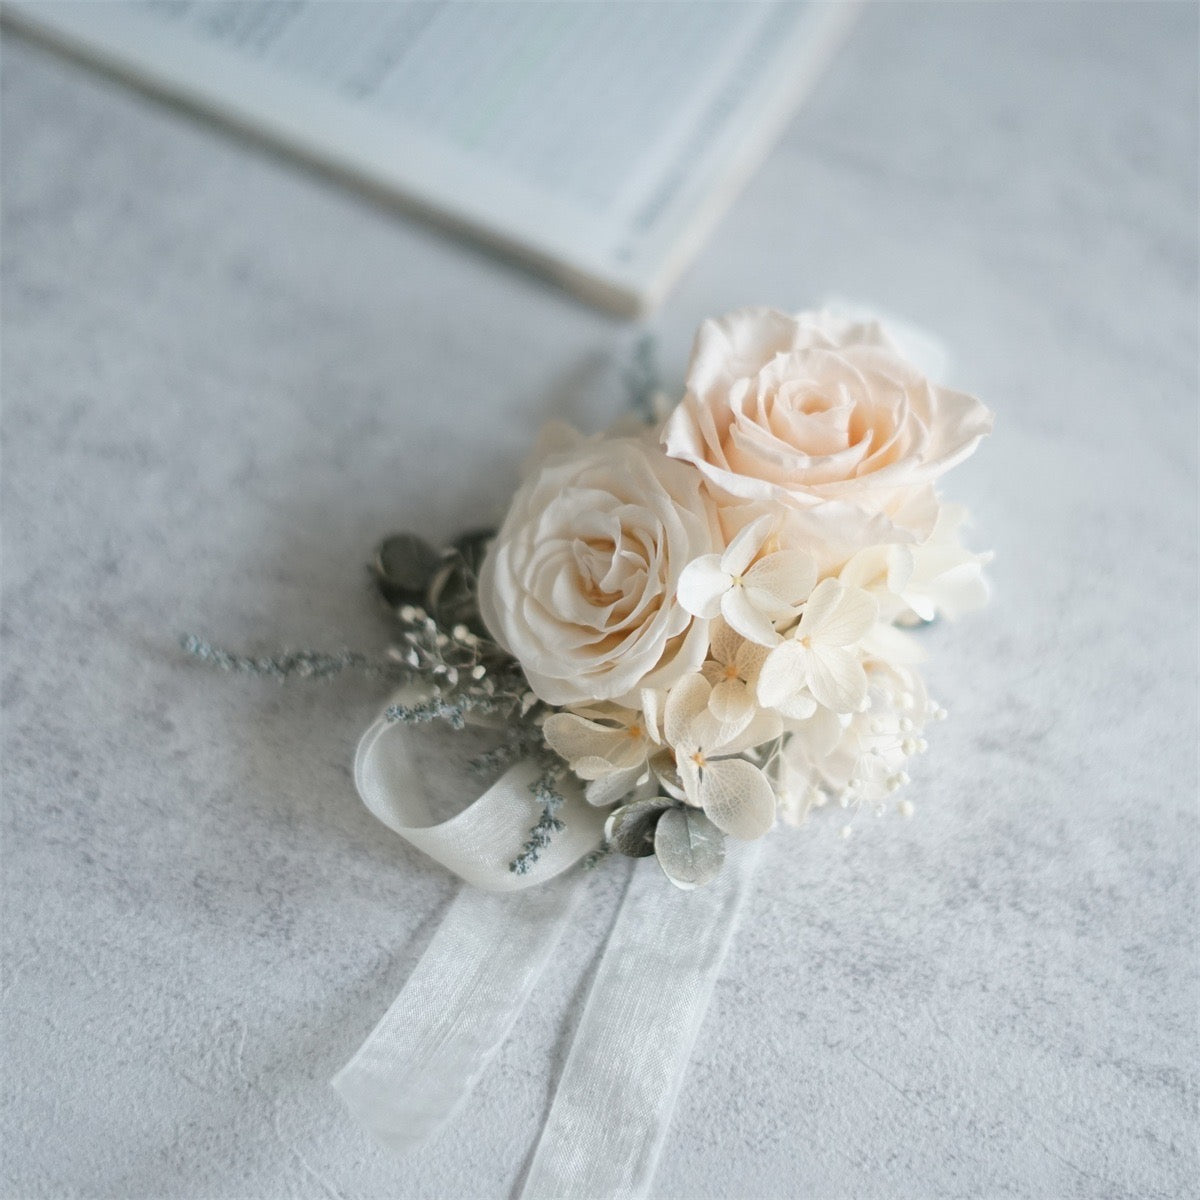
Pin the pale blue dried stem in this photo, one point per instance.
(293, 664)
(436, 708)
(597, 856)
(545, 789)
(522, 741)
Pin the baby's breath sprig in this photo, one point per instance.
(439, 655)
(465, 673)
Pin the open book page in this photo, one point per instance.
(599, 142)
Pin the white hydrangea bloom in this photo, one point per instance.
(798, 787)
(734, 793)
(751, 595)
(607, 746)
(914, 583)
(820, 663)
(867, 758)
(732, 668)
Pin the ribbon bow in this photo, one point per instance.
(613, 1105)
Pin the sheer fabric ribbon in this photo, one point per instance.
(610, 1114)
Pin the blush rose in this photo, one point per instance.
(811, 409)
(580, 582)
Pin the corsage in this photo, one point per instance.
(683, 630)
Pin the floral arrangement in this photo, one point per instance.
(682, 629)
(703, 619)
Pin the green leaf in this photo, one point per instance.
(630, 828)
(404, 564)
(690, 848)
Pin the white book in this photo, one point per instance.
(598, 142)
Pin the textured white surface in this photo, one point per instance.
(223, 378)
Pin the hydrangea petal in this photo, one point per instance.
(742, 617)
(836, 679)
(731, 699)
(849, 621)
(616, 785)
(737, 797)
(685, 702)
(824, 599)
(763, 727)
(573, 737)
(702, 584)
(788, 577)
(783, 674)
(797, 706)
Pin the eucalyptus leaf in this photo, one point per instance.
(630, 828)
(452, 595)
(404, 565)
(690, 848)
(472, 546)
(451, 598)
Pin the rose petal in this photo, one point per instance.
(580, 582)
(652, 706)
(739, 554)
(814, 408)
(900, 565)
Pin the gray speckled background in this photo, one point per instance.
(224, 377)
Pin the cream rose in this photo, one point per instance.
(579, 585)
(814, 408)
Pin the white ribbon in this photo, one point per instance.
(480, 842)
(613, 1106)
(611, 1112)
(422, 1060)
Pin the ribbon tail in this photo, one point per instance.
(613, 1106)
(421, 1061)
